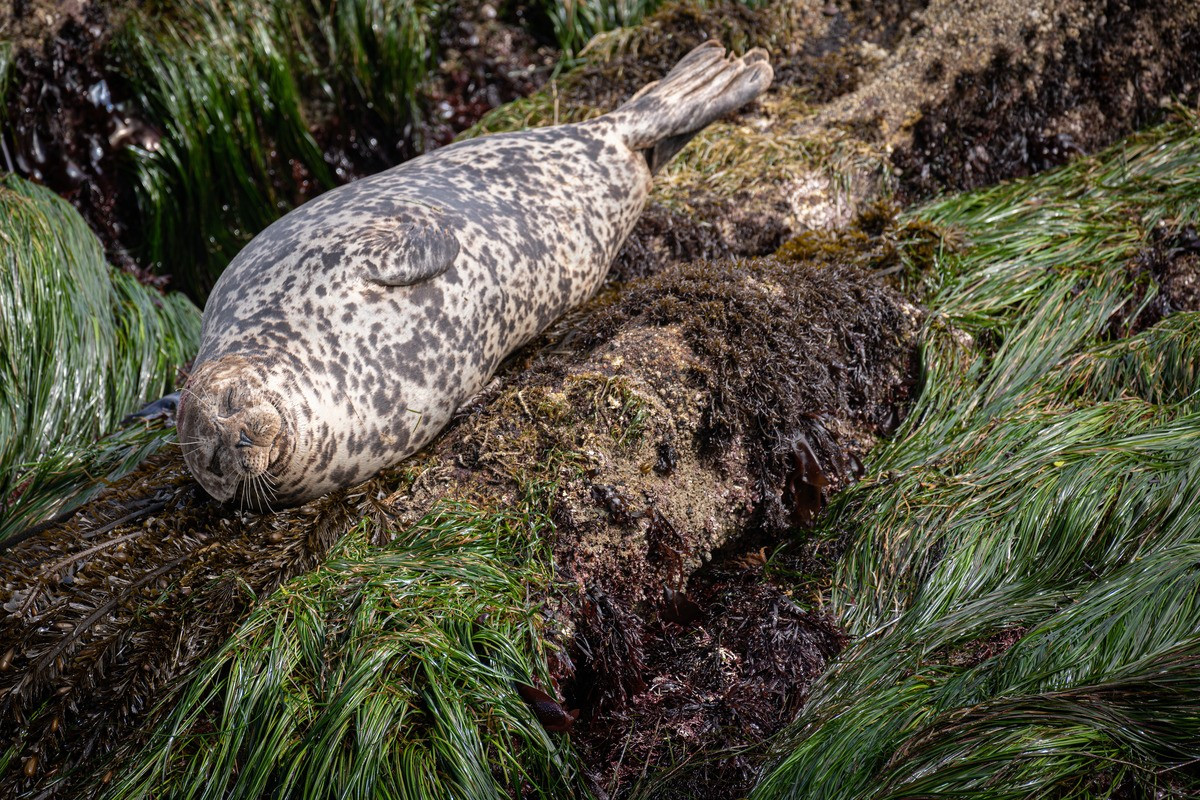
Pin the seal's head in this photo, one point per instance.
(234, 430)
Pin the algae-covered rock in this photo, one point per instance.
(874, 99)
(670, 421)
(1020, 573)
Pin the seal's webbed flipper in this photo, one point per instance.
(703, 87)
(405, 253)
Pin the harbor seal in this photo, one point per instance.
(345, 335)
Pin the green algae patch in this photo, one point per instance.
(84, 345)
(400, 663)
(903, 253)
(241, 113)
(1019, 575)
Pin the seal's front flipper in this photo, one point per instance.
(162, 408)
(703, 87)
(402, 252)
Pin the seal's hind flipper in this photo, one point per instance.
(704, 86)
(403, 253)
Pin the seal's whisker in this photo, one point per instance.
(247, 498)
(263, 489)
(272, 493)
(254, 497)
(353, 407)
(270, 489)
(209, 406)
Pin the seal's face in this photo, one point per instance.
(232, 435)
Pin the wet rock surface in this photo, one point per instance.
(1034, 107)
(1167, 273)
(915, 98)
(716, 685)
(783, 420)
(68, 119)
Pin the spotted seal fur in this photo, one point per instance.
(343, 337)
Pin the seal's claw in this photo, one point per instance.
(162, 408)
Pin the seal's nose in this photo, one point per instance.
(244, 440)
